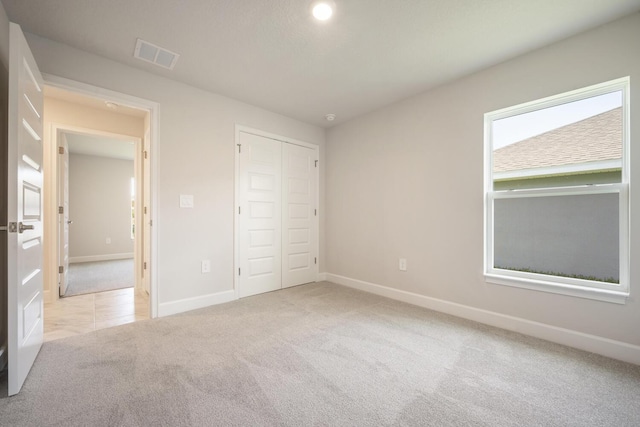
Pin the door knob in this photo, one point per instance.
(22, 227)
(69, 222)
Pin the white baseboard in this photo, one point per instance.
(604, 346)
(95, 258)
(187, 304)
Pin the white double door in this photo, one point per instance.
(277, 214)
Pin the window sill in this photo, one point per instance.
(616, 297)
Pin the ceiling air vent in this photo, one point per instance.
(155, 54)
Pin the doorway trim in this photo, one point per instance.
(236, 201)
(154, 113)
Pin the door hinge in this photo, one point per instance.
(315, 260)
(316, 163)
(238, 210)
(61, 269)
(145, 154)
(238, 271)
(60, 209)
(60, 150)
(144, 265)
(145, 209)
(239, 148)
(150, 222)
(315, 212)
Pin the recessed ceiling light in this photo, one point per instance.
(322, 9)
(330, 117)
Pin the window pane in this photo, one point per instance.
(570, 236)
(575, 143)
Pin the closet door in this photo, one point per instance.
(260, 219)
(299, 238)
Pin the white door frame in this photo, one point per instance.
(236, 222)
(51, 174)
(56, 130)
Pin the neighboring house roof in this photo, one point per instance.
(594, 139)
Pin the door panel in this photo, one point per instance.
(299, 176)
(260, 215)
(25, 252)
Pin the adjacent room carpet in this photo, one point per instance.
(319, 354)
(91, 277)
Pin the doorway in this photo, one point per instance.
(99, 150)
(96, 218)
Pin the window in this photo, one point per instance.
(556, 187)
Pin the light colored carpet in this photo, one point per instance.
(320, 354)
(102, 276)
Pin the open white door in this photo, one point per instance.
(259, 214)
(63, 213)
(24, 205)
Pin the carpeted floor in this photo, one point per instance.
(91, 277)
(319, 354)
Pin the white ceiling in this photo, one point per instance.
(274, 55)
(101, 146)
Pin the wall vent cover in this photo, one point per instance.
(149, 52)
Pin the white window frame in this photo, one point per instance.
(616, 293)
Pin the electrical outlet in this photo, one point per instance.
(402, 264)
(206, 266)
(108, 241)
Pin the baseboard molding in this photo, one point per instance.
(95, 258)
(604, 346)
(187, 304)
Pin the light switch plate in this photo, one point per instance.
(402, 264)
(186, 200)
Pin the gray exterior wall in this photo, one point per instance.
(567, 235)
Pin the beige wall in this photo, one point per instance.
(99, 206)
(407, 181)
(196, 156)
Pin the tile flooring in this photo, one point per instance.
(85, 313)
